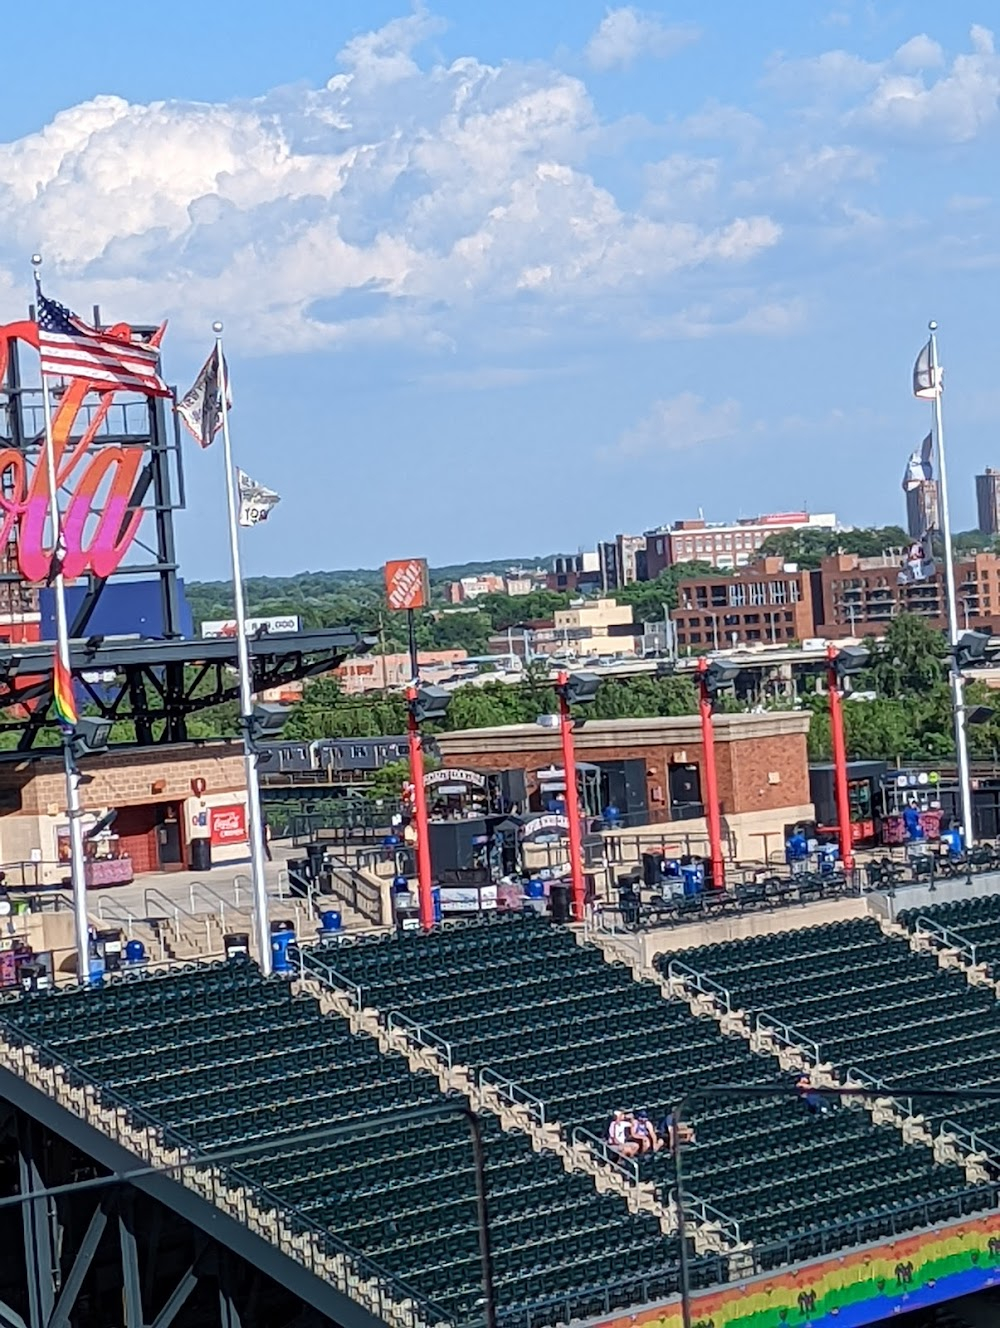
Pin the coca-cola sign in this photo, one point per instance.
(99, 522)
(228, 824)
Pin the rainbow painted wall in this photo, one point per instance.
(849, 1290)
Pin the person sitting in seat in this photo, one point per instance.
(814, 1102)
(644, 1132)
(620, 1139)
(685, 1132)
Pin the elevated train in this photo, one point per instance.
(346, 760)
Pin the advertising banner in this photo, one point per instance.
(227, 626)
(228, 824)
(406, 584)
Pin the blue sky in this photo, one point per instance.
(508, 279)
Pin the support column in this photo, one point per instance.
(36, 1219)
(81, 1265)
(131, 1281)
(229, 1315)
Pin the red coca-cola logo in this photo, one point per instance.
(99, 522)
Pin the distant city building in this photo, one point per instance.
(622, 561)
(922, 509)
(515, 581)
(575, 571)
(587, 627)
(988, 501)
(767, 603)
(375, 673)
(723, 545)
(855, 596)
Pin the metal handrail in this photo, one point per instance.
(212, 894)
(974, 1143)
(709, 1215)
(905, 1105)
(199, 1160)
(423, 1037)
(159, 898)
(691, 978)
(945, 937)
(603, 1151)
(311, 963)
(787, 1034)
(513, 1092)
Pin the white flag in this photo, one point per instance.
(919, 467)
(201, 407)
(255, 501)
(919, 564)
(926, 383)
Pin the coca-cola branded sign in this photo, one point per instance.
(99, 522)
(228, 824)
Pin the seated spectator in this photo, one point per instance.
(619, 1136)
(686, 1132)
(644, 1132)
(814, 1102)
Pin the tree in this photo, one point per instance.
(910, 658)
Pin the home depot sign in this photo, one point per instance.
(406, 584)
(100, 520)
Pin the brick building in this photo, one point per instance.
(723, 544)
(768, 602)
(855, 596)
(761, 760)
(165, 797)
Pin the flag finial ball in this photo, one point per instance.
(217, 327)
(932, 325)
(36, 260)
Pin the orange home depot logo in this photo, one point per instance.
(406, 583)
(99, 522)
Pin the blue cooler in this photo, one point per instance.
(693, 876)
(280, 941)
(331, 925)
(436, 902)
(95, 974)
(135, 952)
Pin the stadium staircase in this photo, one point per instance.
(857, 1006)
(179, 1067)
(579, 1150)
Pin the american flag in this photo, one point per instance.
(71, 349)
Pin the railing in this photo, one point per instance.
(708, 1215)
(947, 939)
(785, 1035)
(418, 1034)
(356, 891)
(129, 1120)
(972, 1142)
(312, 964)
(212, 896)
(513, 1092)
(700, 983)
(903, 1105)
(603, 1151)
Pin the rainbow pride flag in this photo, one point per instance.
(62, 693)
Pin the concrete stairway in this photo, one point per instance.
(791, 1055)
(211, 1183)
(421, 1053)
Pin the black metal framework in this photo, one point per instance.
(158, 685)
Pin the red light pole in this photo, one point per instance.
(424, 880)
(579, 891)
(711, 798)
(839, 760)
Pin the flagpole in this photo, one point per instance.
(255, 827)
(74, 811)
(955, 676)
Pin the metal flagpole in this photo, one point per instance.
(74, 812)
(956, 679)
(255, 827)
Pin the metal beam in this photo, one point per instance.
(37, 1232)
(9, 1318)
(130, 1262)
(229, 1315)
(177, 1298)
(60, 1317)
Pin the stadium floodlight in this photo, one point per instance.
(579, 688)
(718, 676)
(91, 736)
(974, 649)
(979, 714)
(105, 823)
(429, 704)
(849, 660)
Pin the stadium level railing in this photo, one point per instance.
(708, 1215)
(603, 1151)
(397, 1022)
(852, 1075)
(785, 1035)
(512, 1092)
(945, 938)
(312, 964)
(223, 1179)
(695, 981)
(972, 1141)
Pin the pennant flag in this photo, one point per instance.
(926, 384)
(71, 348)
(255, 501)
(919, 564)
(919, 467)
(201, 407)
(62, 693)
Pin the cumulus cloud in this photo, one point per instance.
(626, 34)
(397, 198)
(679, 424)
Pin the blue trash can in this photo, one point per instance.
(135, 952)
(331, 920)
(694, 878)
(95, 975)
(535, 889)
(436, 901)
(280, 941)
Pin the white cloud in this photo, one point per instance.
(386, 204)
(626, 34)
(679, 424)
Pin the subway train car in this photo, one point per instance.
(336, 759)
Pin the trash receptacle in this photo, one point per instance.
(436, 903)
(331, 924)
(135, 953)
(201, 855)
(236, 945)
(559, 901)
(280, 941)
